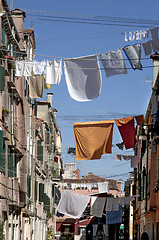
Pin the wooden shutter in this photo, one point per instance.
(41, 192)
(39, 151)
(2, 78)
(36, 188)
(29, 185)
(2, 153)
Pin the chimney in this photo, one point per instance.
(18, 18)
(49, 98)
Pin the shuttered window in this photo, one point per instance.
(12, 166)
(46, 203)
(2, 78)
(41, 192)
(36, 188)
(2, 154)
(39, 151)
(29, 185)
(139, 186)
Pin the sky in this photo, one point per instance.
(121, 95)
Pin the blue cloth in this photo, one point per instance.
(113, 217)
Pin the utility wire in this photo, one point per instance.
(91, 18)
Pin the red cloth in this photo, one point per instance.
(55, 159)
(127, 131)
(140, 119)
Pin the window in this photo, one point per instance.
(39, 151)
(2, 152)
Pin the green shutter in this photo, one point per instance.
(39, 151)
(36, 187)
(2, 153)
(3, 34)
(41, 192)
(2, 78)
(12, 165)
(29, 185)
(46, 203)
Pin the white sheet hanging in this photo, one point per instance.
(83, 77)
(53, 71)
(72, 204)
(113, 63)
(39, 67)
(97, 206)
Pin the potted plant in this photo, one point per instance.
(11, 62)
(5, 111)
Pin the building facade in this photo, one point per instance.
(29, 141)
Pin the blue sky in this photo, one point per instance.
(128, 94)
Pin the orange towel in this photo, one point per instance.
(92, 139)
(127, 131)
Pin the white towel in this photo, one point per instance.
(113, 63)
(39, 67)
(72, 204)
(147, 48)
(19, 68)
(28, 68)
(53, 71)
(97, 206)
(103, 187)
(83, 77)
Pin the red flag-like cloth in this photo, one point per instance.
(127, 131)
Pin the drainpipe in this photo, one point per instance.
(13, 143)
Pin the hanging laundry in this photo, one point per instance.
(155, 45)
(46, 85)
(126, 157)
(83, 77)
(118, 157)
(109, 204)
(103, 187)
(140, 119)
(116, 204)
(39, 67)
(113, 63)
(127, 131)
(120, 145)
(36, 86)
(154, 33)
(97, 206)
(147, 48)
(53, 71)
(114, 217)
(72, 204)
(19, 68)
(133, 54)
(93, 139)
(28, 68)
(134, 161)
